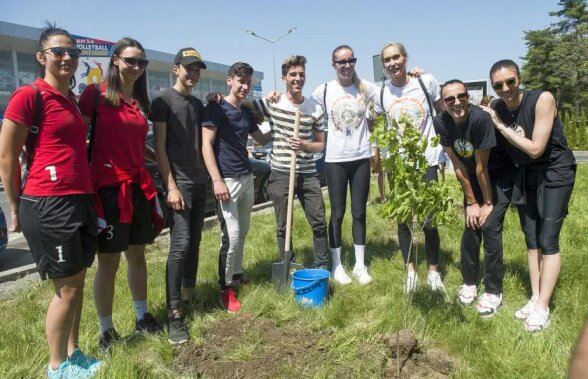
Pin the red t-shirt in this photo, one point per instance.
(119, 139)
(60, 166)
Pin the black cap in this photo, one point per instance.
(188, 56)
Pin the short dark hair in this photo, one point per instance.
(291, 61)
(505, 63)
(454, 81)
(240, 69)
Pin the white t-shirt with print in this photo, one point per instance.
(411, 99)
(349, 136)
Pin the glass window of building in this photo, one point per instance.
(28, 68)
(7, 82)
(157, 82)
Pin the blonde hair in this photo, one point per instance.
(356, 81)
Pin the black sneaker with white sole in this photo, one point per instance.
(148, 324)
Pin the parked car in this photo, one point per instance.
(3, 232)
(261, 172)
(263, 152)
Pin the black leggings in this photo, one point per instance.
(542, 232)
(432, 241)
(357, 174)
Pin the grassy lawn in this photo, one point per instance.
(273, 337)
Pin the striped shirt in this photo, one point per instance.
(281, 116)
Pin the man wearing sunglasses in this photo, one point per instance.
(483, 170)
(177, 117)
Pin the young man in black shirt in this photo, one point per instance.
(177, 117)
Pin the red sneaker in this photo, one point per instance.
(229, 301)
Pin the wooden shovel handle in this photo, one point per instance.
(287, 246)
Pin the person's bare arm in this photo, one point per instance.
(545, 112)
(12, 139)
(472, 206)
(221, 192)
(174, 197)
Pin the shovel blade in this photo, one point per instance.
(281, 273)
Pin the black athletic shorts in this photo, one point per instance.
(61, 233)
(117, 237)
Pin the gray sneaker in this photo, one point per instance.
(178, 331)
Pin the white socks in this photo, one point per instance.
(105, 323)
(140, 308)
(359, 256)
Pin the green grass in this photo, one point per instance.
(358, 318)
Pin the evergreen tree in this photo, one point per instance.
(570, 130)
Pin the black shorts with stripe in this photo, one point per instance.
(61, 232)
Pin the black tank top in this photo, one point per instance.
(556, 154)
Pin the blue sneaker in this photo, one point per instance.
(67, 370)
(78, 358)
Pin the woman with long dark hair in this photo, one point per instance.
(547, 169)
(124, 190)
(53, 207)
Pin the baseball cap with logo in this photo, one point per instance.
(188, 56)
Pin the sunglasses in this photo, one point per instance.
(132, 62)
(343, 62)
(59, 52)
(509, 83)
(462, 97)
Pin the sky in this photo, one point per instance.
(447, 38)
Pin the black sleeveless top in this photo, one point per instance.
(557, 161)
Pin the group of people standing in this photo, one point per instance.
(74, 202)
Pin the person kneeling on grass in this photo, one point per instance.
(485, 173)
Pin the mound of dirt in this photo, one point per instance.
(249, 347)
(413, 361)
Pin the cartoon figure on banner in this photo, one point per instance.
(93, 75)
(411, 107)
(347, 114)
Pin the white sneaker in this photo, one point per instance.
(362, 275)
(341, 276)
(523, 313)
(410, 283)
(434, 281)
(489, 304)
(467, 294)
(537, 320)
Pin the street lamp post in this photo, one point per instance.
(273, 42)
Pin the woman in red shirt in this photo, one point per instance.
(124, 190)
(54, 207)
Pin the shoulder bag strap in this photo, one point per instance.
(93, 122)
(32, 136)
(428, 96)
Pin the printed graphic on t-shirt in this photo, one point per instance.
(412, 107)
(347, 114)
(463, 147)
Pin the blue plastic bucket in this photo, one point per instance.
(311, 286)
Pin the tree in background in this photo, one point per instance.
(557, 57)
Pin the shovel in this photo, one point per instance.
(281, 270)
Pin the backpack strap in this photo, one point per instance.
(93, 122)
(32, 136)
(427, 96)
(325, 103)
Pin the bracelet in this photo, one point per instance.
(469, 205)
(172, 189)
